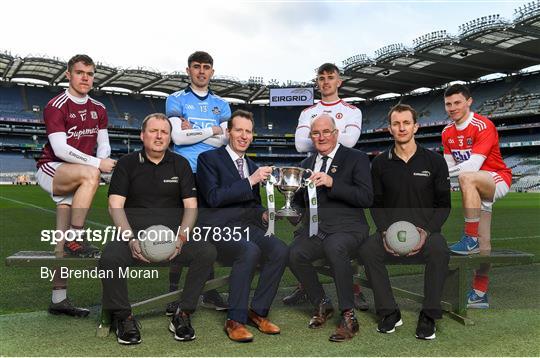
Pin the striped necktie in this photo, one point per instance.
(240, 167)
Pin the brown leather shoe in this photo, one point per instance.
(321, 314)
(237, 331)
(263, 324)
(347, 329)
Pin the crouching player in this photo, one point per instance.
(70, 166)
(471, 150)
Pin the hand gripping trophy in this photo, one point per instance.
(288, 181)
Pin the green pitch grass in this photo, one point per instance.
(510, 328)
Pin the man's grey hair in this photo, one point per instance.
(323, 116)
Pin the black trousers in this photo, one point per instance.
(338, 249)
(434, 254)
(198, 256)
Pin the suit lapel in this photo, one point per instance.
(337, 162)
(229, 162)
(311, 161)
(252, 167)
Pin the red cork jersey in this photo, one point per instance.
(478, 137)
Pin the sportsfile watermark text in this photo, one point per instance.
(113, 233)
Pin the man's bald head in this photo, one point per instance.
(324, 117)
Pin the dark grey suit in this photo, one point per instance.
(342, 225)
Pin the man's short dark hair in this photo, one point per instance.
(327, 67)
(87, 60)
(243, 114)
(457, 89)
(201, 57)
(401, 107)
(155, 115)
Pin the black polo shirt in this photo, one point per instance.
(153, 192)
(417, 191)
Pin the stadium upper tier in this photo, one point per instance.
(508, 96)
(487, 45)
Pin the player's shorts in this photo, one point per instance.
(501, 188)
(45, 175)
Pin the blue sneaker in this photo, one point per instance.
(466, 246)
(475, 301)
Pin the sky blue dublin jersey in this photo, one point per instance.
(201, 112)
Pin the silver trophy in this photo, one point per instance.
(288, 181)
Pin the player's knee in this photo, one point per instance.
(465, 180)
(90, 175)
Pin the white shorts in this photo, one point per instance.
(501, 188)
(44, 177)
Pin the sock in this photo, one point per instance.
(58, 295)
(78, 229)
(480, 284)
(471, 226)
(357, 289)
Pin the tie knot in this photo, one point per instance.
(325, 158)
(240, 162)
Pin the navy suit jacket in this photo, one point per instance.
(340, 208)
(234, 201)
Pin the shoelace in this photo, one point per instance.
(184, 319)
(74, 246)
(322, 306)
(131, 324)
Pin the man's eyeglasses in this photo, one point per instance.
(325, 134)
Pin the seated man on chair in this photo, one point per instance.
(150, 187)
(341, 176)
(229, 182)
(410, 183)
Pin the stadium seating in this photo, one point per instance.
(12, 163)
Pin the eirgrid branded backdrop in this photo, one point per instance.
(291, 96)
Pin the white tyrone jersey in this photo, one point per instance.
(348, 120)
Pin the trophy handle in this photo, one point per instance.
(276, 173)
(304, 178)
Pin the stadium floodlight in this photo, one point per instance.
(481, 24)
(527, 11)
(390, 50)
(354, 60)
(255, 80)
(431, 38)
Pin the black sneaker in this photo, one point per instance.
(181, 327)
(426, 327)
(360, 302)
(296, 297)
(67, 308)
(81, 249)
(212, 299)
(127, 331)
(171, 308)
(388, 323)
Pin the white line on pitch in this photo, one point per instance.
(47, 210)
(515, 238)
(102, 225)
